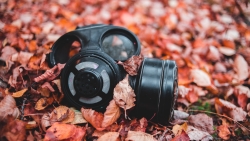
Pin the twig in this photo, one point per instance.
(22, 108)
(221, 116)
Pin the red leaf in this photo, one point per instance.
(132, 65)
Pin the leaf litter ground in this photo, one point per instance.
(208, 39)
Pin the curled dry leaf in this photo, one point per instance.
(45, 121)
(241, 67)
(139, 136)
(62, 131)
(124, 95)
(58, 84)
(230, 109)
(132, 65)
(202, 122)
(19, 93)
(111, 114)
(13, 130)
(93, 117)
(196, 134)
(110, 136)
(224, 132)
(8, 107)
(50, 74)
(200, 77)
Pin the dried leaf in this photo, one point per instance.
(110, 136)
(200, 77)
(48, 86)
(124, 95)
(224, 132)
(132, 65)
(139, 136)
(44, 91)
(31, 125)
(22, 57)
(45, 121)
(202, 122)
(50, 74)
(61, 112)
(241, 67)
(41, 104)
(111, 114)
(58, 84)
(182, 137)
(8, 107)
(177, 129)
(14, 130)
(180, 114)
(227, 51)
(19, 93)
(230, 109)
(183, 91)
(62, 131)
(93, 117)
(196, 134)
(78, 119)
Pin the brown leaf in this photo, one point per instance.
(111, 114)
(8, 107)
(62, 131)
(48, 86)
(19, 93)
(200, 77)
(32, 46)
(124, 95)
(132, 65)
(93, 117)
(192, 97)
(224, 132)
(182, 137)
(177, 129)
(70, 117)
(183, 91)
(50, 74)
(22, 57)
(139, 136)
(110, 136)
(196, 134)
(230, 109)
(13, 130)
(58, 84)
(202, 122)
(41, 104)
(61, 112)
(31, 125)
(45, 121)
(241, 68)
(44, 91)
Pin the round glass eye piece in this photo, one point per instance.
(119, 47)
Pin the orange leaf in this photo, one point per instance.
(61, 131)
(224, 132)
(93, 117)
(111, 114)
(19, 93)
(110, 136)
(182, 137)
(32, 46)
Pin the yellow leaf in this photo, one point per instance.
(19, 93)
(177, 129)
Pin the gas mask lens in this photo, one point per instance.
(118, 47)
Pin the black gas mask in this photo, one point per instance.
(89, 77)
